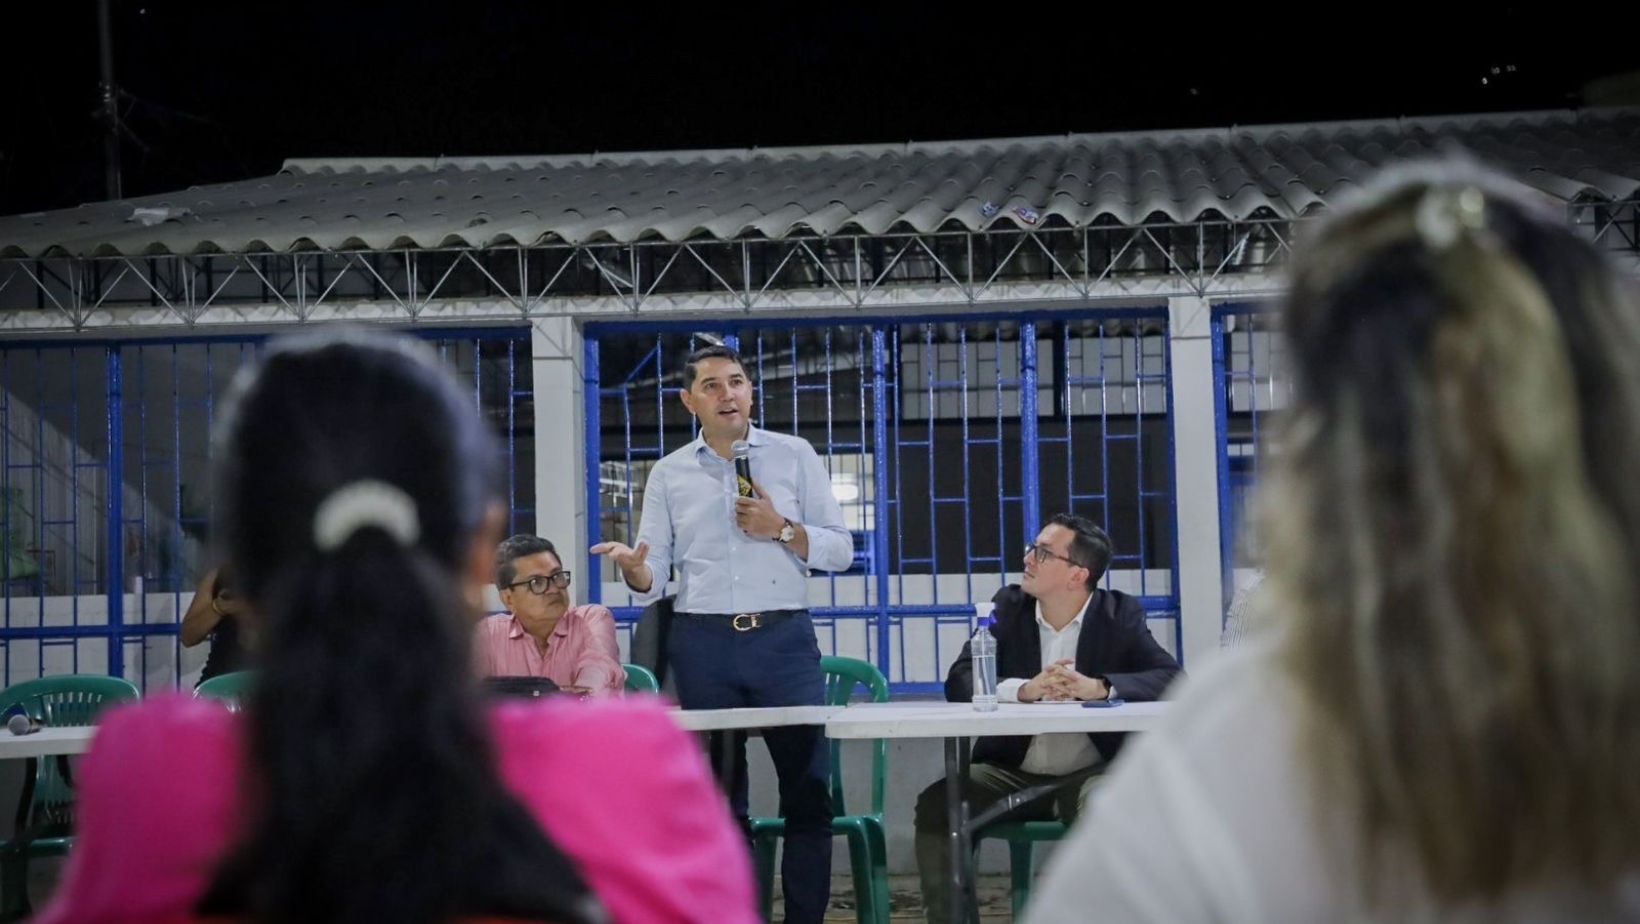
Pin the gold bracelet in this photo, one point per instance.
(216, 607)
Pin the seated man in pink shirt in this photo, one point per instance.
(543, 635)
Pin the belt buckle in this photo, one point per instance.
(752, 621)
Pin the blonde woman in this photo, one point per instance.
(1442, 723)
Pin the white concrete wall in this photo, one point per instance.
(560, 438)
(151, 663)
(924, 661)
(1196, 484)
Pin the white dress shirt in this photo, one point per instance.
(1063, 753)
(689, 520)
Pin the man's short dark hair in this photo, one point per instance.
(1090, 546)
(713, 351)
(515, 548)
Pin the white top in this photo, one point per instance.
(1217, 824)
(66, 740)
(959, 720)
(752, 717)
(1054, 755)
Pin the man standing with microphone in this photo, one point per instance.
(741, 634)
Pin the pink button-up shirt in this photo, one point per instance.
(581, 651)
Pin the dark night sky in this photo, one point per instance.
(226, 90)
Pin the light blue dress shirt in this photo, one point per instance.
(689, 521)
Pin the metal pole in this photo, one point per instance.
(1221, 423)
(879, 491)
(110, 112)
(590, 396)
(115, 482)
(1030, 462)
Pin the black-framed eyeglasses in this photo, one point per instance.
(538, 584)
(1043, 553)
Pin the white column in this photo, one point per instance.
(560, 443)
(1195, 447)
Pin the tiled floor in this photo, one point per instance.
(905, 901)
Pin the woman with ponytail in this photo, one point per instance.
(1438, 722)
(366, 782)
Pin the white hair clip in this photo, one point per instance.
(359, 504)
(1443, 215)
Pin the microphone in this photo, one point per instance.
(20, 724)
(743, 468)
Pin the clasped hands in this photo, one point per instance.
(1060, 681)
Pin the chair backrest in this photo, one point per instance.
(67, 700)
(64, 701)
(842, 675)
(232, 688)
(650, 637)
(640, 679)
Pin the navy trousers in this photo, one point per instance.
(717, 667)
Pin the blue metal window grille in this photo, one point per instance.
(1253, 386)
(944, 439)
(494, 364)
(106, 453)
(171, 397)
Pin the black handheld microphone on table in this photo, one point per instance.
(743, 468)
(20, 724)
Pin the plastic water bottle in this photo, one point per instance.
(983, 649)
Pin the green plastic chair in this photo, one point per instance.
(45, 817)
(640, 679)
(867, 842)
(232, 688)
(1022, 838)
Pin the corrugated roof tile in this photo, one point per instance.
(389, 203)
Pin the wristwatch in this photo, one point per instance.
(788, 532)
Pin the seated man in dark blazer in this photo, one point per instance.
(1059, 637)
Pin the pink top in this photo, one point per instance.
(581, 651)
(619, 788)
